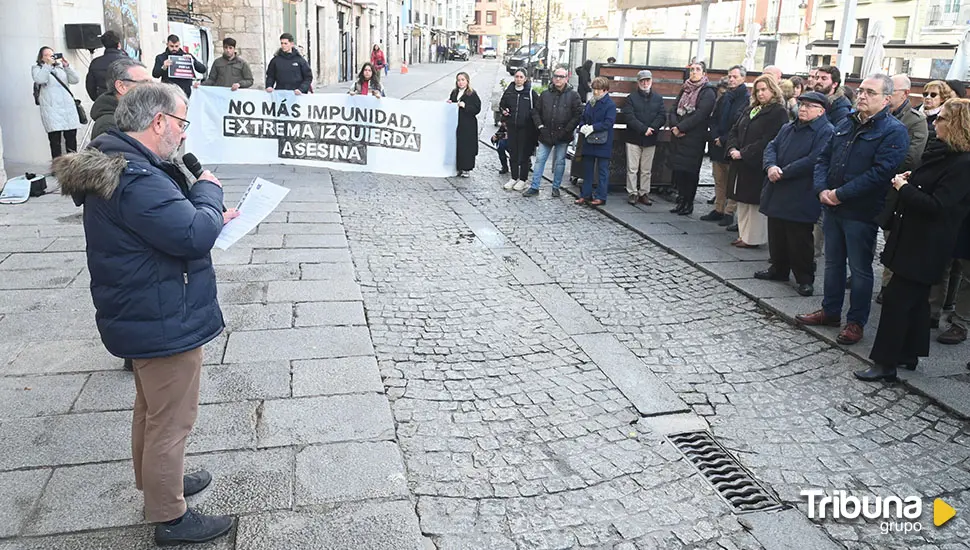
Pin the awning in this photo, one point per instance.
(920, 51)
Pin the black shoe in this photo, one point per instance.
(712, 216)
(129, 365)
(934, 323)
(732, 227)
(504, 170)
(876, 373)
(687, 210)
(909, 365)
(805, 289)
(677, 209)
(555, 193)
(727, 220)
(770, 275)
(195, 482)
(530, 192)
(193, 527)
(879, 296)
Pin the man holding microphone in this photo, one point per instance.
(149, 238)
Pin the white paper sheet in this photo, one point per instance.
(260, 200)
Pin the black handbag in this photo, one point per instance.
(598, 138)
(81, 115)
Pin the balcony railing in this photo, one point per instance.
(939, 18)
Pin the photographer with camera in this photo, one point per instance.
(52, 75)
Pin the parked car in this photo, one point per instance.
(489, 52)
(531, 57)
(459, 52)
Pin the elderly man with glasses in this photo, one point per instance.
(556, 117)
(645, 115)
(851, 179)
(149, 238)
(788, 199)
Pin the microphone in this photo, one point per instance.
(192, 163)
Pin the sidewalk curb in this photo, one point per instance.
(910, 380)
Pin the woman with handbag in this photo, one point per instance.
(596, 125)
(58, 110)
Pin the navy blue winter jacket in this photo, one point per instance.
(795, 150)
(601, 115)
(859, 163)
(148, 244)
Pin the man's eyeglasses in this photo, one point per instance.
(869, 92)
(183, 124)
(930, 94)
(136, 81)
(559, 76)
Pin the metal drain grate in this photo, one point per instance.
(735, 484)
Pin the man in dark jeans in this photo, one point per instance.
(851, 178)
(556, 116)
(162, 63)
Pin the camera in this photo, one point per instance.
(57, 56)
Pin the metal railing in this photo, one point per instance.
(938, 17)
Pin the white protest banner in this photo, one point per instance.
(343, 132)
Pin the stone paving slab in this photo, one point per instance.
(571, 316)
(245, 482)
(329, 313)
(59, 356)
(38, 278)
(128, 538)
(299, 255)
(336, 290)
(336, 376)
(371, 525)
(308, 420)
(258, 316)
(298, 343)
(326, 271)
(349, 472)
(27, 396)
(522, 267)
(21, 490)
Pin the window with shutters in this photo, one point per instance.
(829, 30)
(900, 28)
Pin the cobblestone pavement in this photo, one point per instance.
(514, 438)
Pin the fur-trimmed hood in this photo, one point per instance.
(89, 171)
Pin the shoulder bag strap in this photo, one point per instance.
(61, 82)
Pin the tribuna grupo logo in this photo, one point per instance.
(893, 513)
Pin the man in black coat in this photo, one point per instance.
(162, 63)
(556, 117)
(645, 115)
(726, 112)
(288, 70)
(154, 290)
(95, 82)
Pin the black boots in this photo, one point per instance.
(683, 208)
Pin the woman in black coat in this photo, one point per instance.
(691, 111)
(933, 201)
(469, 105)
(517, 103)
(757, 125)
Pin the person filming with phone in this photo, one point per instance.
(53, 76)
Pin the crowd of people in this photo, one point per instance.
(809, 165)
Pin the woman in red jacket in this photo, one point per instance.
(378, 60)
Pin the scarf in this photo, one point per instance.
(688, 97)
(931, 112)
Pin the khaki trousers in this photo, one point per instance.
(638, 158)
(721, 203)
(166, 405)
